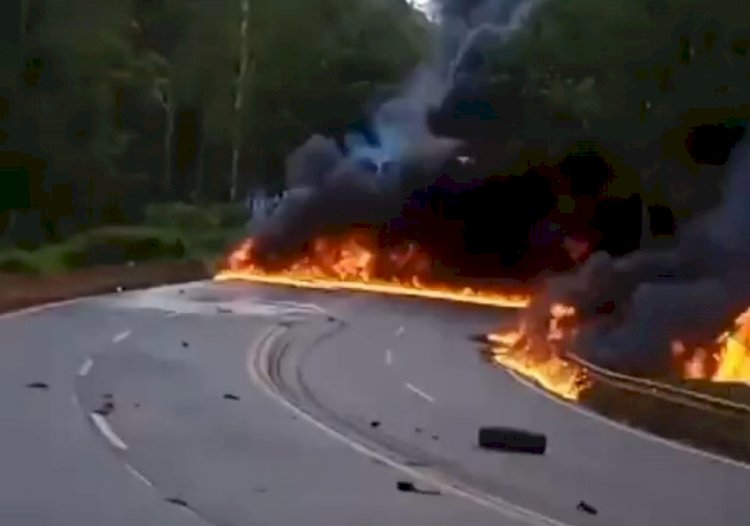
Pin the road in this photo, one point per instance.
(234, 404)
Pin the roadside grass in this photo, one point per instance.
(172, 231)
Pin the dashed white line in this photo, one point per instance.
(105, 429)
(137, 474)
(417, 391)
(389, 357)
(399, 331)
(121, 337)
(86, 367)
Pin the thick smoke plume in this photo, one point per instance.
(632, 308)
(331, 186)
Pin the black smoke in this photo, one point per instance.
(632, 307)
(368, 179)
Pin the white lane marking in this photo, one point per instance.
(86, 367)
(121, 337)
(174, 314)
(399, 332)
(508, 509)
(417, 391)
(105, 429)
(137, 474)
(627, 429)
(389, 357)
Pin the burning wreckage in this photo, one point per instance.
(387, 211)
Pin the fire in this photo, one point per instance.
(354, 263)
(542, 359)
(726, 360)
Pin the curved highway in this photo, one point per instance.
(231, 404)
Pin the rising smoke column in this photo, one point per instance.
(632, 308)
(331, 187)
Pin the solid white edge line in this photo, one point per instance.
(85, 367)
(105, 429)
(417, 391)
(121, 336)
(492, 502)
(628, 429)
(137, 474)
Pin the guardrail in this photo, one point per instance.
(661, 390)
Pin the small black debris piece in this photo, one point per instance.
(136, 405)
(512, 440)
(405, 486)
(260, 490)
(417, 429)
(105, 409)
(331, 319)
(435, 437)
(480, 338)
(409, 487)
(177, 502)
(375, 424)
(107, 396)
(586, 508)
(182, 291)
(37, 385)
(230, 396)
(185, 345)
(224, 310)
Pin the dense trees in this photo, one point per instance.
(122, 102)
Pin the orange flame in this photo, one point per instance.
(726, 360)
(351, 263)
(540, 359)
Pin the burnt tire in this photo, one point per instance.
(512, 440)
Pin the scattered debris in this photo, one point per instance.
(177, 502)
(512, 440)
(435, 437)
(409, 487)
(37, 385)
(105, 409)
(185, 344)
(230, 396)
(375, 424)
(181, 291)
(224, 310)
(405, 486)
(587, 508)
(331, 319)
(417, 430)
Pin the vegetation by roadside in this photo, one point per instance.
(173, 231)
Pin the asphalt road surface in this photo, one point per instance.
(232, 404)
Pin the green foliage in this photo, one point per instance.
(119, 245)
(18, 262)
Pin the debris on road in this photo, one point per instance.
(405, 486)
(512, 440)
(375, 424)
(105, 409)
(224, 310)
(399, 331)
(417, 430)
(185, 344)
(409, 487)
(37, 385)
(230, 396)
(480, 338)
(435, 437)
(587, 508)
(177, 502)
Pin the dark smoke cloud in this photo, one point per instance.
(633, 307)
(330, 187)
